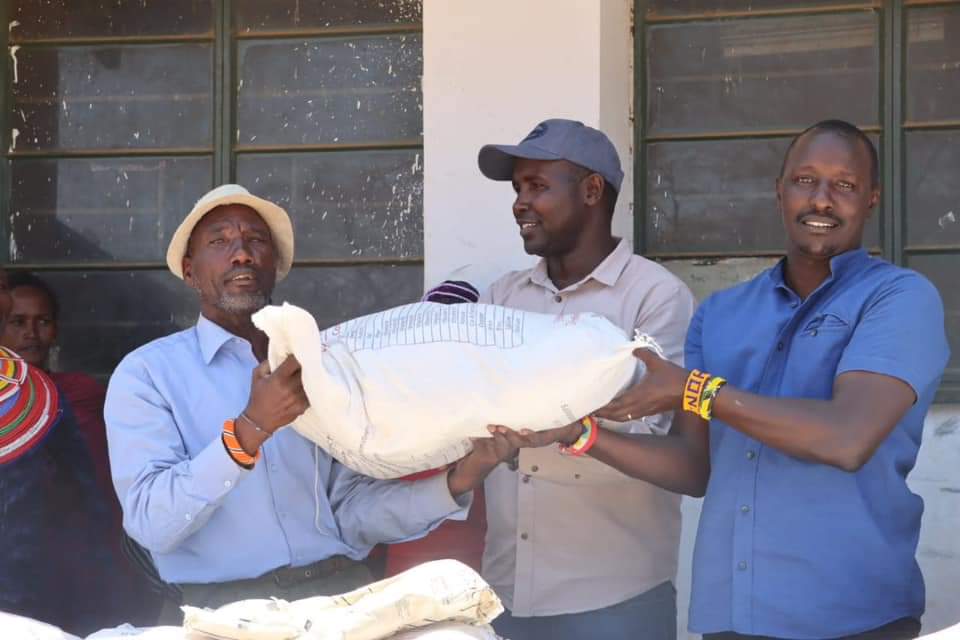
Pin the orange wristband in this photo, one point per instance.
(234, 450)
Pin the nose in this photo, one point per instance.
(31, 330)
(521, 204)
(821, 199)
(241, 252)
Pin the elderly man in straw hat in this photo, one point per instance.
(229, 504)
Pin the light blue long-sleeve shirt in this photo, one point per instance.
(204, 518)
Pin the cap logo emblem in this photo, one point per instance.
(538, 132)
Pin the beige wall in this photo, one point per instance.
(493, 70)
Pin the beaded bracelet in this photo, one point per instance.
(588, 437)
(699, 393)
(234, 450)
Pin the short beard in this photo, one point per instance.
(241, 303)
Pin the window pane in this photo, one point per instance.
(756, 74)
(107, 314)
(942, 270)
(257, 15)
(100, 210)
(105, 18)
(336, 294)
(104, 315)
(326, 91)
(345, 204)
(718, 196)
(933, 192)
(933, 63)
(112, 97)
(664, 8)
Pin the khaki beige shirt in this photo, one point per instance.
(566, 534)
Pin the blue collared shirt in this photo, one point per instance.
(204, 518)
(795, 549)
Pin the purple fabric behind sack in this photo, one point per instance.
(452, 292)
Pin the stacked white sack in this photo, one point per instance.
(405, 389)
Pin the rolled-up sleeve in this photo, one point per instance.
(165, 495)
(371, 511)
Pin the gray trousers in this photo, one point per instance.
(325, 578)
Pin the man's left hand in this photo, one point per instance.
(470, 472)
(660, 390)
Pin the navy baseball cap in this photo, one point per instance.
(556, 139)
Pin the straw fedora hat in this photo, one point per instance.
(276, 218)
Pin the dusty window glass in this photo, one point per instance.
(717, 197)
(337, 294)
(257, 15)
(104, 315)
(113, 97)
(44, 19)
(328, 91)
(933, 191)
(933, 64)
(942, 270)
(100, 209)
(763, 73)
(676, 8)
(360, 204)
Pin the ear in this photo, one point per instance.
(778, 186)
(593, 189)
(186, 267)
(874, 198)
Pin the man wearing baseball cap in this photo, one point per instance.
(574, 548)
(229, 504)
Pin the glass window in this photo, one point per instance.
(337, 294)
(942, 270)
(330, 91)
(933, 191)
(107, 314)
(100, 210)
(683, 8)
(357, 204)
(933, 64)
(46, 19)
(254, 16)
(114, 97)
(762, 73)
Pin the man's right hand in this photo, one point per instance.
(276, 400)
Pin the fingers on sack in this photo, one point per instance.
(290, 366)
(647, 356)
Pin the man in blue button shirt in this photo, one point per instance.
(831, 360)
(274, 516)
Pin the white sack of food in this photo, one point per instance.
(405, 389)
(443, 591)
(21, 628)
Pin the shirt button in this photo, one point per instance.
(742, 565)
(524, 536)
(751, 455)
(228, 484)
(794, 304)
(745, 508)
(558, 298)
(779, 346)
(576, 476)
(188, 517)
(526, 479)
(534, 468)
(813, 333)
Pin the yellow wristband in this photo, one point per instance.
(710, 392)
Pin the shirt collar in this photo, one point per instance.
(211, 337)
(840, 266)
(607, 272)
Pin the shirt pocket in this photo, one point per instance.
(823, 338)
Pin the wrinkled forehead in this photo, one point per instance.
(229, 215)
